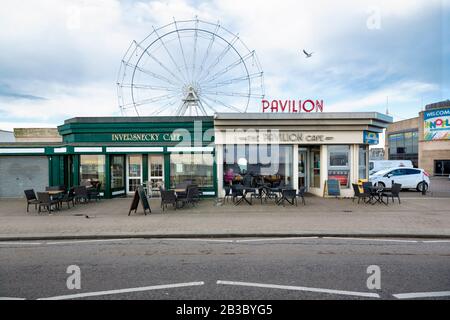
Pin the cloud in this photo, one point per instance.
(69, 51)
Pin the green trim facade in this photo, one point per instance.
(120, 136)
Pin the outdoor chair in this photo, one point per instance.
(168, 197)
(195, 193)
(81, 194)
(237, 193)
(247, 182)
(183, 185)
(289, 195)
(228, 193)
(189, 199)
(394, 193)
(279, 187)
(31, 198)
(262, 194)
(358, 194)
(46, 201)
(68, 198)
(368, 189)
(94, 192)
(301, 194)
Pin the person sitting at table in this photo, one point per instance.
(229, 176)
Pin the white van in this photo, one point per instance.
(377, 165)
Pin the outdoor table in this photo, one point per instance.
(244, 196)
(54, 192)
(263, 193)
(376, 195)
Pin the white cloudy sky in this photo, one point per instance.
(60, 58)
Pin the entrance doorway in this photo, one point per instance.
(134, 172)
(303, 167)
(441, 167)
(155, 174)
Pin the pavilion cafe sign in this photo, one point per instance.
(292, 106)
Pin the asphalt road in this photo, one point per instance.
(312, 268)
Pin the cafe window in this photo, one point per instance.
(339, 164)
(117, 172)
(92, 170)
(268, 164)
(315, 167)
(195, 168)
(362, 162)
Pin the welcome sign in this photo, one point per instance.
(437, 124)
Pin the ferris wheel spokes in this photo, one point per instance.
(209, 71)
(168, 52)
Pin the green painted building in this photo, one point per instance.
(119, 153)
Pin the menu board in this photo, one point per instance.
(139, 196)
(332, 188)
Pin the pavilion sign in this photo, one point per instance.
(292, 106)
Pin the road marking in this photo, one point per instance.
(413, 295)
(11, 298)
(276, 239)
(119, 291)
(195, 239)
(89, 241)
(366, 239)
(20, 243)
(435, 241)
(275, 286)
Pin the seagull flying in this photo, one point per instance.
(308, 55)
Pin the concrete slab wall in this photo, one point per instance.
(18, 173)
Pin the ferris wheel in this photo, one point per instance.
(189, 67)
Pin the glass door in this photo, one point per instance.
(117, 175)
(441, 167)
(155, 174)
(134, 172)
(302, 167)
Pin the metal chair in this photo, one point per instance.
(31, 198)
(228, 193)
(289, 195)
(358, 194)
(168, 197)
(394, 193)
(94, 192)
(69, 197)
(81, 194)
(46, 201)
(189, 199)
(301, 194)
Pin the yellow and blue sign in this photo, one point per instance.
(437, 124)
(371, 137)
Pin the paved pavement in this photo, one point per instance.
(416, 216)
(202, 269)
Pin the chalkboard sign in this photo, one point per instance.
(143, 196)
(139, 194)
(135, 203)
(332, 188)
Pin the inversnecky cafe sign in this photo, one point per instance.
(146, 137)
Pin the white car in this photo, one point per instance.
(409, 178)
(378, 165)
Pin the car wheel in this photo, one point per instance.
(421, 186)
